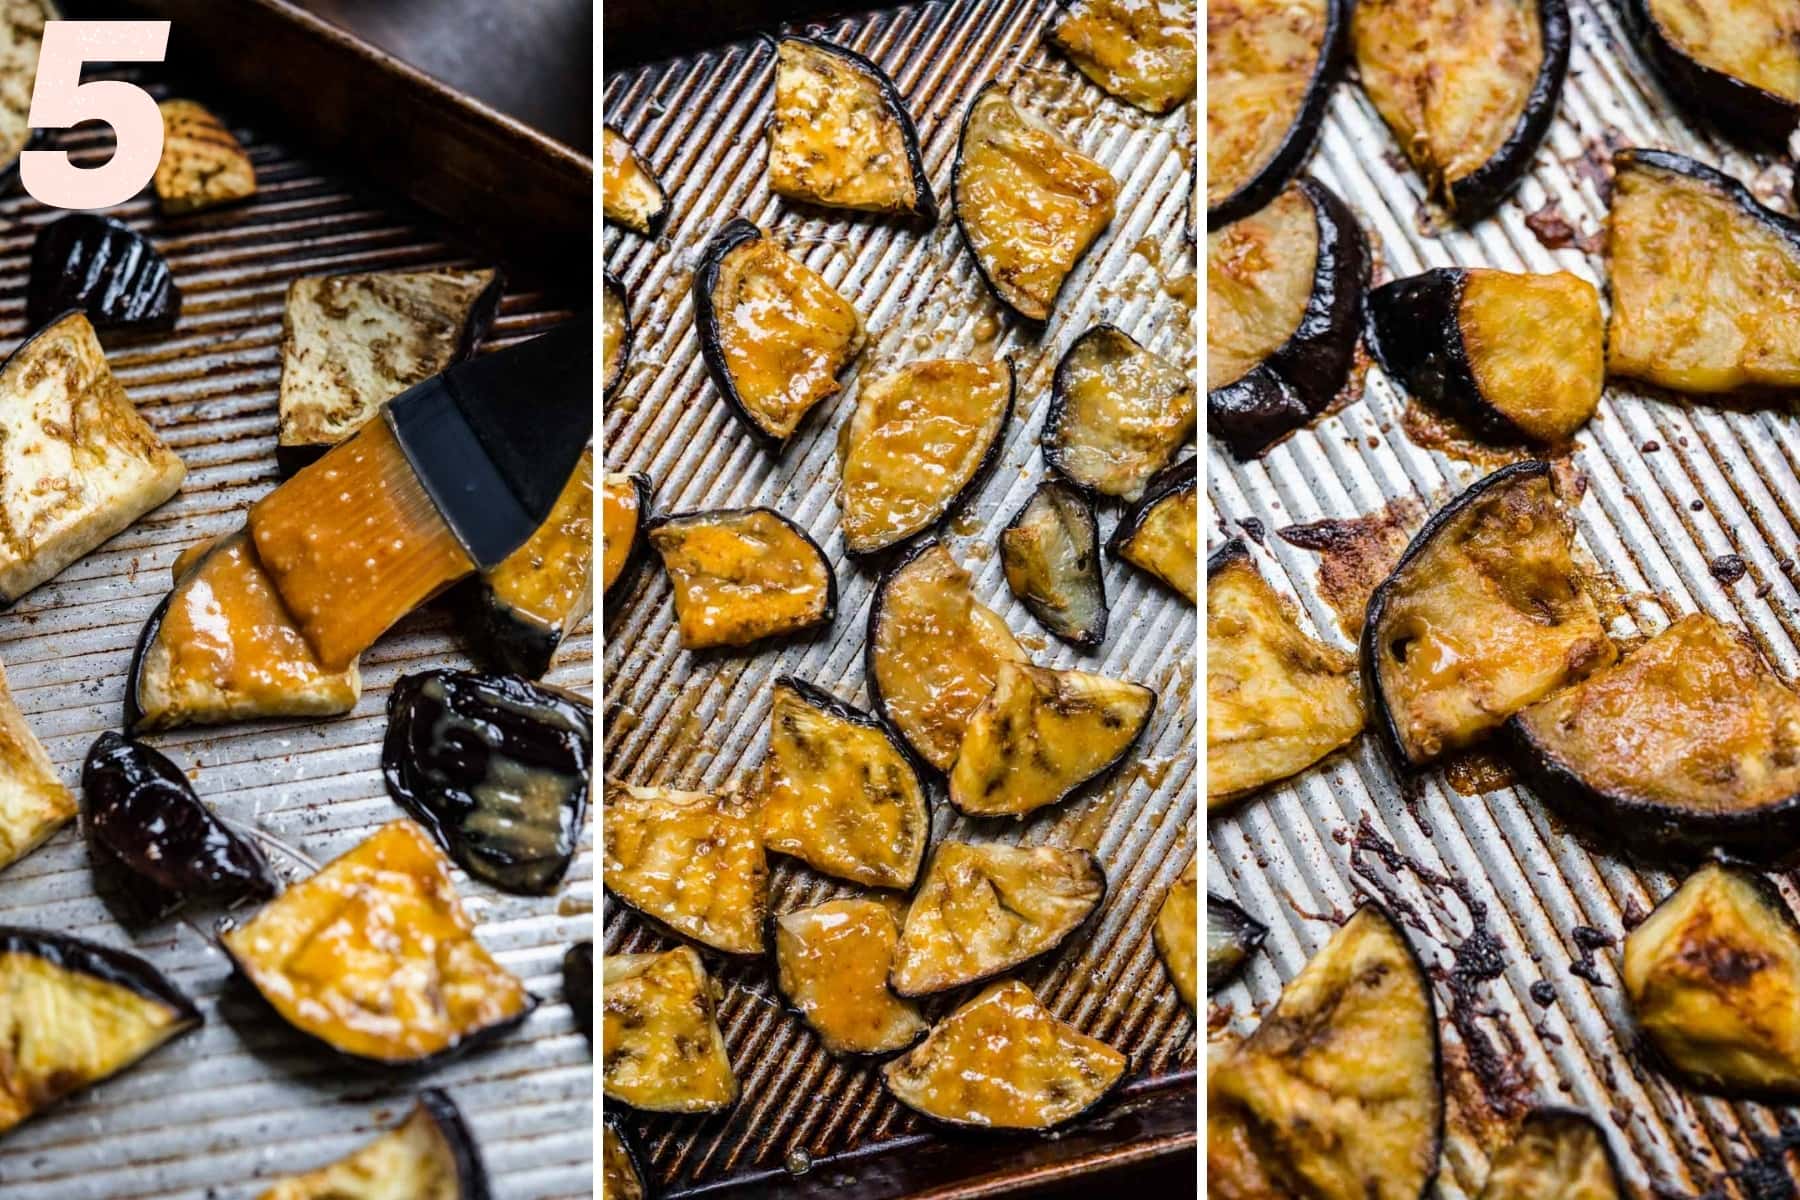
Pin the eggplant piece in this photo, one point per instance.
(690, 861)
(1232, 936)
(933, 651)
(144, 820)
(497, 768)
(1051, 553)
(34, 802)
(1141, 53)
(1713, 980)
(223, 647)
(1027, 202)
(741, 575)
(1277, 700)
(840, 134)
(1161, 533)
(429, 1156)
(1513, 357)
(21, 40)
(578, 986)
(774, 333)
(1484, 615)
(630, 193)
(661, 1046)
(839, 791)
(918, 446)
(1176, 920)
(106, 269)
(985, 908)
(831, 964)
(1732, 63)
(1704, 280)
(622, 1174)
(1118, 414)
(1041, 735)
(1284, 296)
(202, 164)
(616, 335)
(624, 512)
(1004, 1061)
(1468, 91)
(77, 1012)
(1558, 1154)
(375, 957)
(1336, 1095)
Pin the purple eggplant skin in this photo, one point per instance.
(613, 597)
(731, 235)
(578, 986)
(1232, 551)
(1734, 107)
(1302, 377)
(633, 1155)
(1180, 476)
(101, 962)
(465, 1152)
(1479, 192)
(1084, 635)
(105, 268)
(1414, 335)
(616, 287)
(1245, 932)
(142, 817)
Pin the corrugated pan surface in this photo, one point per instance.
(217, 1113)
(1671, 486)
(681, 719)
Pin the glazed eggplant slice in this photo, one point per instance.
(1277, 700)
(933, 651)
(34, 802)
(1284, 295)
(1004, 1061)
(578, 986)
(375, 957)
(840, 134)
(1027, 202)
(621, 1170)
(831, 962)
(1118, 413)
(985, 908)
(1484, 615)
(775, 335)
(1558, 1154)
(1713, 980)
(497, 769)
(1176, 920)
(1734, 63)
(918, 445)
(1705, 281)
(1514, 357)
(1040, 735)
(839, 792)
(691, 861)
(630, 193)
(616, 335)
(1051, 553)
(429, 1156)
(20, 42)
(1336, 1095)
(202, 164)
(741, 575)
(1141, 53)
(76, 1013)
(1467, 90)
(1232, 936)
(662, 1049)
(624, 512)
(1161, 533)
(106, 269)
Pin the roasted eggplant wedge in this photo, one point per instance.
(933, 651)
(832, 962)
(76, 1012)
(429, 1156)
(1733, 63)
(202, 164)
(918, 445)
(106, 269)
(741, 575)
(20, 42)
(1277, 700)
(775, 335)
(1713, 980)
(1141, 53)
(621, 1169)
(1041, 735)
(1513, 357)
(616, 335)
(1050, 551)
(1118, 413)
(1484, 615)
(375, 957)
(1468, 91)
(624, 512)
(691, 861)
(1027, 202)
(1284, 303)
(34, 802)
(661, 1046)
(1704, 280)
(1161, 533)
(840, 134)
(630, 193)
(1336, 1094)
(578, 986)
(1176, 921)
(839, 791)
(985, 908)
(1232, 936)
(1558, 1154)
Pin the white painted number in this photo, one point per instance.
(59, 100)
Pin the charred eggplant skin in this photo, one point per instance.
(627, 335)
(1735, 107)
(640, 546)
(100, 962)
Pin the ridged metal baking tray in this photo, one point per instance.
(1671, 486)
(806, 1124)
(216, 1115)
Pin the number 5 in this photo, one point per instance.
(59, 100)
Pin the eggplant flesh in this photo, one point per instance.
(1050, 551)
(661, 1046)
(1269, 68)
(1141, 53)
(429, 1156)
(1558, 1154)
(831, 962)
(1232, 936)
(742, 575)
(578, 986)
(1336, 1095)
(839, 792)
(616, 335)
(630, 193)
(1734, 62)
(1118, 413)
(1161, 533)
(202, 165)
(985, 908)
(621, 1173)
(106, 269)
(34, 801)
(624, 511)
(1176, 920)
(692, 861)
